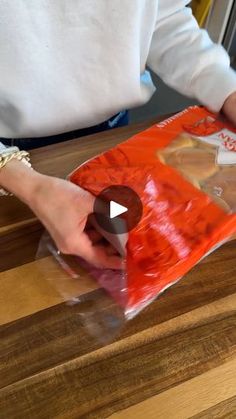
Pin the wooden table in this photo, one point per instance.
(177, 359)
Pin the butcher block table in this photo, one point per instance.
(177, 359)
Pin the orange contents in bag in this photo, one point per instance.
(181, 221)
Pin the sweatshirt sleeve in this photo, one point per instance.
(184, 56)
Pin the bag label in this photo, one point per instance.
(225, 140)
(211, 131)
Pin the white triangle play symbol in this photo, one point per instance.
(116, 209)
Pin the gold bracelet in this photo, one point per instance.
(19, 155)
(6, 157)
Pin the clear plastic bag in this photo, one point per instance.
(184, 171)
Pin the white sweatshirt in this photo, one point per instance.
(69, 64)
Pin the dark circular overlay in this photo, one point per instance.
(121, 195)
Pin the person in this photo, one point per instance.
(70, 65)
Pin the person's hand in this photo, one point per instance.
(229, 108)
(63, 208)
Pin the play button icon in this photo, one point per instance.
(117, 209)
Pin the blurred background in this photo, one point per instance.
(219, 18)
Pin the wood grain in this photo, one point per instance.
(207, 283)
(19, 243)
(30, 288)
(189, 398)
(124, 373)
(13, 211)
(223, 410)
(46, 275)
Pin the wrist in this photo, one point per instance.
(229, 107)
(20, 180)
